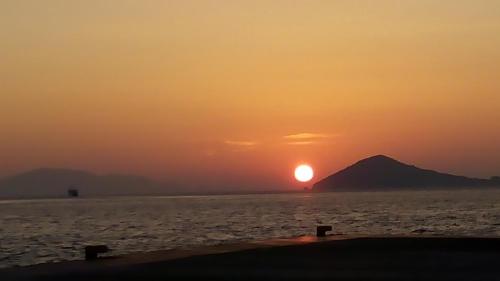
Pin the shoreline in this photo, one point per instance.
(308, 257)
(269, 192)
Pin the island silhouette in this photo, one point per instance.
(381, 172)
(56, 182)
(375, 173)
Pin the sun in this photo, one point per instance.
(304, 173)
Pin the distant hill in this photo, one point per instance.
(47, 182)
(384, 173)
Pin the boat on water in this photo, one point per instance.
(73, 192)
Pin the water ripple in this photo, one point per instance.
(36, 231)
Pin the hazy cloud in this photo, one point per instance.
(301, 142)
(240, 143)
(302, 136)
(210, 152)
(307, 138)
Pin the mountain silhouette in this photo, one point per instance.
(384, 173)
(48, 182)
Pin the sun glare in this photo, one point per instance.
(304, 173)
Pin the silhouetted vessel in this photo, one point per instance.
(73, 192)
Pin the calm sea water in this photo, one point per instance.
(37, 231)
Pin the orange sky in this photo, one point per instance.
(234, 94)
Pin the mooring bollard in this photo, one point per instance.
(92, 252)
(322, 229)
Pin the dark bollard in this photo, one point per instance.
(92, 252)
(322, 229)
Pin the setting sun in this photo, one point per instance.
(304, 173)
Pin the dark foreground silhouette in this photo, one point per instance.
(351, 259)
(384, 173)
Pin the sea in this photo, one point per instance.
(52, 230)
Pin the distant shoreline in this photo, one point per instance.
(257, 193)
(409, 189)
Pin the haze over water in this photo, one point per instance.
(124, 97)
(36, 231)
(234, 94)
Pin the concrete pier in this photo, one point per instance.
(302, 258)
